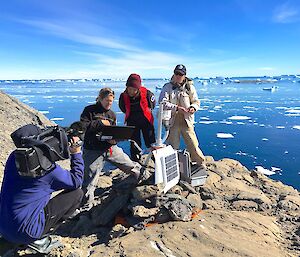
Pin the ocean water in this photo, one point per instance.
(237, 120)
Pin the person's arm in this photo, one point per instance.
(70, 180)
(195, 102)
(165, 97)
(151, 100)
(90, 125)
(122, 103)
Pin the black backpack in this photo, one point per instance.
(36, 154)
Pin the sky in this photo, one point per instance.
(71, 39)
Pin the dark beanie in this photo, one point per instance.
(134, 80)
(25, 131)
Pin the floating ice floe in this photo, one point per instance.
(296, 127)
(224, 135)
(218, 107)
(44, 112)
(54, 119)
(239, 118)
(204, 118)
(280, 127)
(207, 122)
(265, 139)
(292, 112)
(264, 171)
(275, 169)
(226, 122)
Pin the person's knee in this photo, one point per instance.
(78, 195)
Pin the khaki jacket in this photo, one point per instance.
(180, 95)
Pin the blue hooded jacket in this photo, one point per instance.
(22, 199)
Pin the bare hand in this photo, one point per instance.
(73, 146)
(191, 109)
(105, 122)
(182, 109)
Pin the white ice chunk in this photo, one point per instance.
(265, 139)
(262, 170)
(207, 122)
(296, 127)
(224, 135)
(275, 169)
(239, 118)
(44, 112)
(280, 127)
(54, 119)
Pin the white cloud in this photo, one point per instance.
(286, 14)
(266, 68)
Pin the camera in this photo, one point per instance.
(75, 130)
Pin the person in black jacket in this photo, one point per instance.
(137, 102)
(95, 152)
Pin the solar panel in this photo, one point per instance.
(166, 167)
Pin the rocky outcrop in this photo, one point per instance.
(14, 114)
(244, 213)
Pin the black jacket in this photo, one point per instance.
(91, 120)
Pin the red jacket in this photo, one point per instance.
(143, 103)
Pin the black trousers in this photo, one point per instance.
(141, 125)
(60, 208)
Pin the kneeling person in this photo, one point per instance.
(26, 211)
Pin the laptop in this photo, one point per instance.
(116, 133)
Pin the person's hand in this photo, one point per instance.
(191, 109)
(73, 146)
(182, 109)
(105, 122)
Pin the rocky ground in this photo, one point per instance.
(244, 213)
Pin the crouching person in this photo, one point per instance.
(95, 151)
(28, 214)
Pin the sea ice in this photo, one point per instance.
(296, 127)
(44, 112)
(262, 170)
(207, 122)
(280, 127)
(265, 139)
(54, 119)
(239, 118)
(224, 135)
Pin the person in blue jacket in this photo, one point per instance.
(27, 211)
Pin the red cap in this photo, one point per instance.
(134, 80)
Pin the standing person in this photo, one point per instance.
(181, 97)
(95, 152)
(27, 214)
(137, 102)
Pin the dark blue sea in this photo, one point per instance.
(253, 120)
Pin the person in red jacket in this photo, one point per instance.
(137, 102)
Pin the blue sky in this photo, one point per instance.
(113, 38)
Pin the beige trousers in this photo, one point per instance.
(179, 128)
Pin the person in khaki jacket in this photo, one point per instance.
(180, 96)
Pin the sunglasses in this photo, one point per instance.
(177, 73)
(107, 92)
